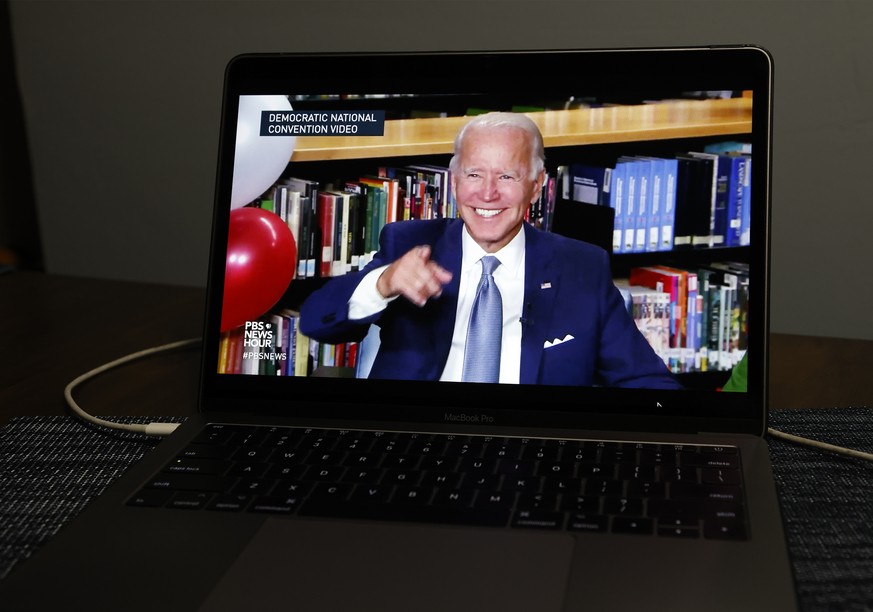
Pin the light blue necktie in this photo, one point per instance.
(482, 351)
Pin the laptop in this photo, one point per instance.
(306, 483)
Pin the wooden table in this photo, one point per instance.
(54, 328)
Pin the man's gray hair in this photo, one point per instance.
(504, 120)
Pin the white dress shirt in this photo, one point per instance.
(509, 276)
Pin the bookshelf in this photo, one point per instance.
(560, 128)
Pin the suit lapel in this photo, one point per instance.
(540, 288)
(447, 253)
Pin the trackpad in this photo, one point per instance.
(312, 565)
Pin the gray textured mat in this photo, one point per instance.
(50, 467)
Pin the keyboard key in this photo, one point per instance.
(569, 485)
(591, 523)
(669, 531)
(511, 467)
(185, 465)
(724, 530)
(720, 476)
(454, 498)
(331, 492)
(207, 451)
(275, 504)
(623, 506)
(640, 526)
(702, 492)
(190, 482)
(373, 494)
(497, 516)
(439, 463)
(416, 496)
(538, 501)
(605, 488)
(446, 480)
(656, 490)
(534, 519)
(523, 483)
(229, 503)
(712, 460)
(673, 508)
(190, 500)
(150, 498)
(582, 504)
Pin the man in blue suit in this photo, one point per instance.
(564, 322)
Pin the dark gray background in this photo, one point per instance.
(121, 102)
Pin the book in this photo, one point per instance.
(655, 200)
(692, 218)
(302, 364)
(274, 350)
(746, 215)
(734, 199)
(655, 277)
(727, 202)
(293, 221)
(307, 246)
(356, 232)
(439, 179)
(617, 202)
(631, 201)
(326, 231)
(717, 201)
(550, 200)
(729, 146)
(679, 318)
(590, 184)
(657, 191)
(391, 188)
(644, 205)
(716, 291)
(649, 308)
(737, 278)
(341, 257)
(668, 204)
(690, 360)
(289, 340)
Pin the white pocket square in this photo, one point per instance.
(556, 341)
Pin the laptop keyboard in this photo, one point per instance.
(664, 490)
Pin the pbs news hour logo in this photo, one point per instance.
(260, 342)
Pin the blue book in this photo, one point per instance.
(657, 191)
(643, 170)
(617, 202)
(736, 172)
(747, 202)
(668, 204)
(631, 201)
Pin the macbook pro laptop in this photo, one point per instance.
(307, 483)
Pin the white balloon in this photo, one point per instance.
(259, 160)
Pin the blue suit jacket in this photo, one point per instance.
(568, 293)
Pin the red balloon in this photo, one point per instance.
(261, 258)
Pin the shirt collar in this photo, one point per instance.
(511, 256)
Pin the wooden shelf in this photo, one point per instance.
(612, 124)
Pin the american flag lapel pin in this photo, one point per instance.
(546, 285)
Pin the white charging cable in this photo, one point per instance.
(151, 429)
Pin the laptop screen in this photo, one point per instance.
(616, 189)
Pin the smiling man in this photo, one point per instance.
(560, 319)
